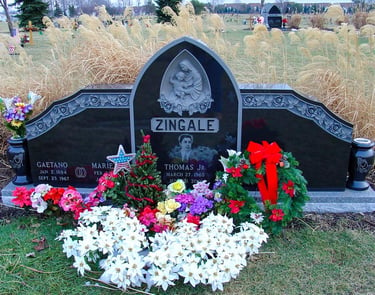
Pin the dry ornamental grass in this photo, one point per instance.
(335, 67)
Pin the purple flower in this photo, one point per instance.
(202, 189)
(201, 205)
(184, 200)
(217, 184)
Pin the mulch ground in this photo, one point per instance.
(326, 221)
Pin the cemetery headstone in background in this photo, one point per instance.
(272, 16)
(188, 101)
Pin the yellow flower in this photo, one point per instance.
(168, 206)
(16, 123)
(177, 187)
(171, 205)
(161, 208)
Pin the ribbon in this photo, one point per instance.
(271, 155)
(154, 186)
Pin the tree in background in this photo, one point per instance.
(31, 10)
(161, 16)
(4, 5)
(198, 6)
(58, 11)
(72, 11)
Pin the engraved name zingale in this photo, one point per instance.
(185, 124)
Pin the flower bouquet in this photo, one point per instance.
(201, 235)
(16, 113)
(52, 200)
(118, 242)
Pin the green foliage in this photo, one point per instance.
(58, 11)
(307, 260)
(72, 11)
(198, 6)
(32, 10)
(234, 188)
(239, 173)
(162, 17)
(143, 183)
(113, 187)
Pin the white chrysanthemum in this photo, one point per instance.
(257, 217)
(190, 273)
(211, 255)
(86, 245)
(80, 264)
(66, 234)
(105, 242)
(70, 247)
(163, 277)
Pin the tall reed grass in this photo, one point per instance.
(336, 67)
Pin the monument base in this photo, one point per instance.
(320, 201)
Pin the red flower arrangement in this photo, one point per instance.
(46, 199)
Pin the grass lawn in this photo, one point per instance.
(306, 259)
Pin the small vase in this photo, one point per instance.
(360, 163)
(18, 157)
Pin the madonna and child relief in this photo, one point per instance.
(185, 86)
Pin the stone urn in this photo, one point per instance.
(18, 157)
(360, 163)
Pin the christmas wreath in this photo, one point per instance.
(281, 185)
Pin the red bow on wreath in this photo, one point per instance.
(271, 155)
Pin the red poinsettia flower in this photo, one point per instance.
(235, 171)
(22, 196)
(288, 188)
(193, 219)
(148, 216)
(235, 206)
(277, 215)
(54, 194)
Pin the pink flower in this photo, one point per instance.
(146, 139)
(148, 216)
(70, 199)
(22, 196)
(159, 228)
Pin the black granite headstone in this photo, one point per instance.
(188, 101)
(318, 139)
(69, 142)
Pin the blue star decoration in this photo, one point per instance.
(121, 160)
